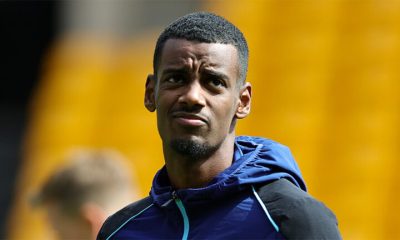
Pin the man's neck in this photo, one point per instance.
(185, 172)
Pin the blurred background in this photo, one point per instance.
(325, 76)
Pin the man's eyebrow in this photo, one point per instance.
(182, 70)
(216, 74)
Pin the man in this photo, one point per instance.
(214, 185)
(79, 196)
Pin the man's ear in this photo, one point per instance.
(149, 96)
(244, 105)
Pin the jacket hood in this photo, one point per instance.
(256, 161)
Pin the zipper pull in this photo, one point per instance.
(174, 195)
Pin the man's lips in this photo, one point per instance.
(189, 119)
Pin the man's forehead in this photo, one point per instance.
(178, 51)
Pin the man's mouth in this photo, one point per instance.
(189, 119)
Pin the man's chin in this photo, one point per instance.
(193, 148)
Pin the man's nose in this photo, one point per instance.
(193, 95)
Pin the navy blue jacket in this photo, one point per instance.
(229, 207)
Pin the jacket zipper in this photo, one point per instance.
(184, 215)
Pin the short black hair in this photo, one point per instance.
(208, 28)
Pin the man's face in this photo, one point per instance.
(196, 93)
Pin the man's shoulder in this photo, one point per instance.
(284, 191)
(297, 213)
(120, 218)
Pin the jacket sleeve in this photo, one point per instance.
(297, 214)
(120, 218)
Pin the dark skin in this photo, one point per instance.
(198, 97)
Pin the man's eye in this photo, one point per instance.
(217, 82)
(175, 79)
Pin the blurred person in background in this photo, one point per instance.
(81, 195)
(214, 184)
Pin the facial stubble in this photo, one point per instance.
(193, 149)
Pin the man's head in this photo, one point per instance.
(79, 196)
(207, 28)
(198, 87)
